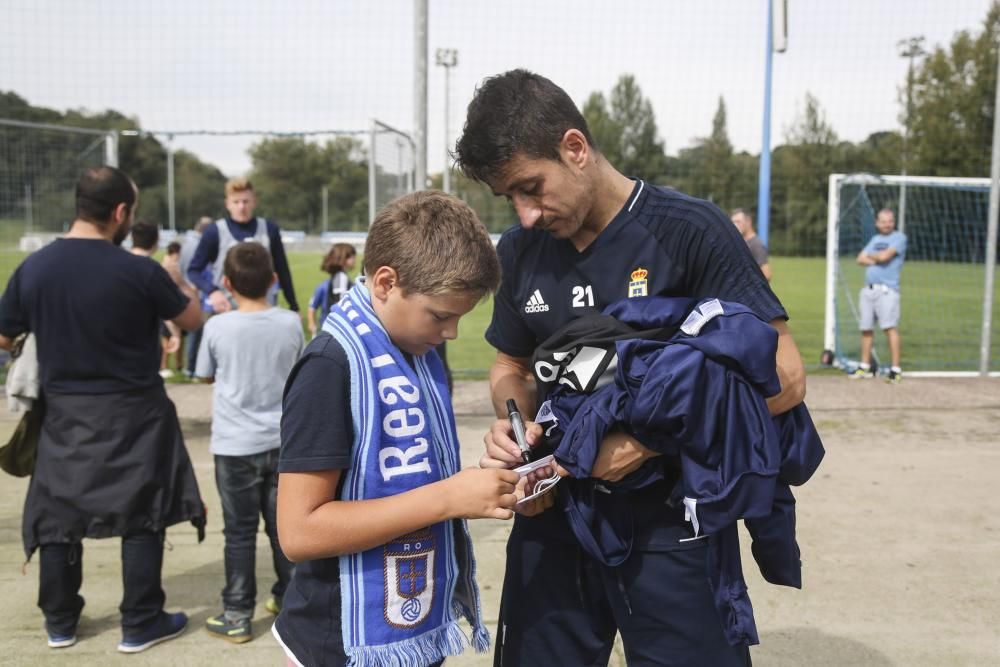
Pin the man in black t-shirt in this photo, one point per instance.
(589, 236)
(111, 459)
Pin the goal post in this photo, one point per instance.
(391, 165)
(943, 283)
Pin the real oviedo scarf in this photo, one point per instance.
(400, 602)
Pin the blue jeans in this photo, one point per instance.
(248, 487)
(60, 575)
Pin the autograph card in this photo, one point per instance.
(541, 486)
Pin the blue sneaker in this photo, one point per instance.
(61, 641)
(167, 626)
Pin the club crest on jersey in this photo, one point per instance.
(536, 304)
(637, 286)
(409, 579)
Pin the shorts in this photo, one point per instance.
(878, 302)
(561, 607)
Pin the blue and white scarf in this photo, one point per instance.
(401, 601)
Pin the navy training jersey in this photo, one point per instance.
(662, 242)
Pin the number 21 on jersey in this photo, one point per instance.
(583, 296)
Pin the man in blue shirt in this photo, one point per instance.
(882, 258)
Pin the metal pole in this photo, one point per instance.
(911, 49)
(29, 213)
(400, 174)
(111, 149)
(171, 204)
(764, 178)
(371, 175)
(446, 173)
(991, 233)
(446, 58)
(325, 194)
(420, 90)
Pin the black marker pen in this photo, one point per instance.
(517, 423)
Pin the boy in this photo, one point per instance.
(248, 352)
(369, 474)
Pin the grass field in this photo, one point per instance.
(942, 306)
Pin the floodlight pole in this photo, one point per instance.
(911, 48)
(420, 91)
(446, 58)
(764, 177)
(171, 206)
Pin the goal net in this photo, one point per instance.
(943, 277)
(391, 163)
(39, 167)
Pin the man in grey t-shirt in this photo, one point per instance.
(248, 353)
(744, 223)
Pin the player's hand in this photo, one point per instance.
(620, 454)
(219, 302)
(501, 448)
(479, 493)
(526, 485)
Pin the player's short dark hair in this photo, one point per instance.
(435, 243)
(145, 235)
(518, 112)
(99, 192)
(173, 248)
(249, 269)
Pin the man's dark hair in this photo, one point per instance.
(249, 269)
(145, 235)
(99, 192)
(173, 248)
(511, 113)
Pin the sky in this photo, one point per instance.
(307, 65)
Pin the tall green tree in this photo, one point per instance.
(56, 160)
(708, 166)
(801, 172)
(953, 104)
(624, 128)
(289, 174)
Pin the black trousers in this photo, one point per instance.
(61, 575)
(248, 488)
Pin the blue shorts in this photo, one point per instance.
(561, 607)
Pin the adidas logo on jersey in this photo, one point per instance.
(536, 304)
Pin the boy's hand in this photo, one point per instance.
(477, 493)
(172, 345)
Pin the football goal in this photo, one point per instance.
(943, 283)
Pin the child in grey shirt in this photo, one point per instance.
(248, 353)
